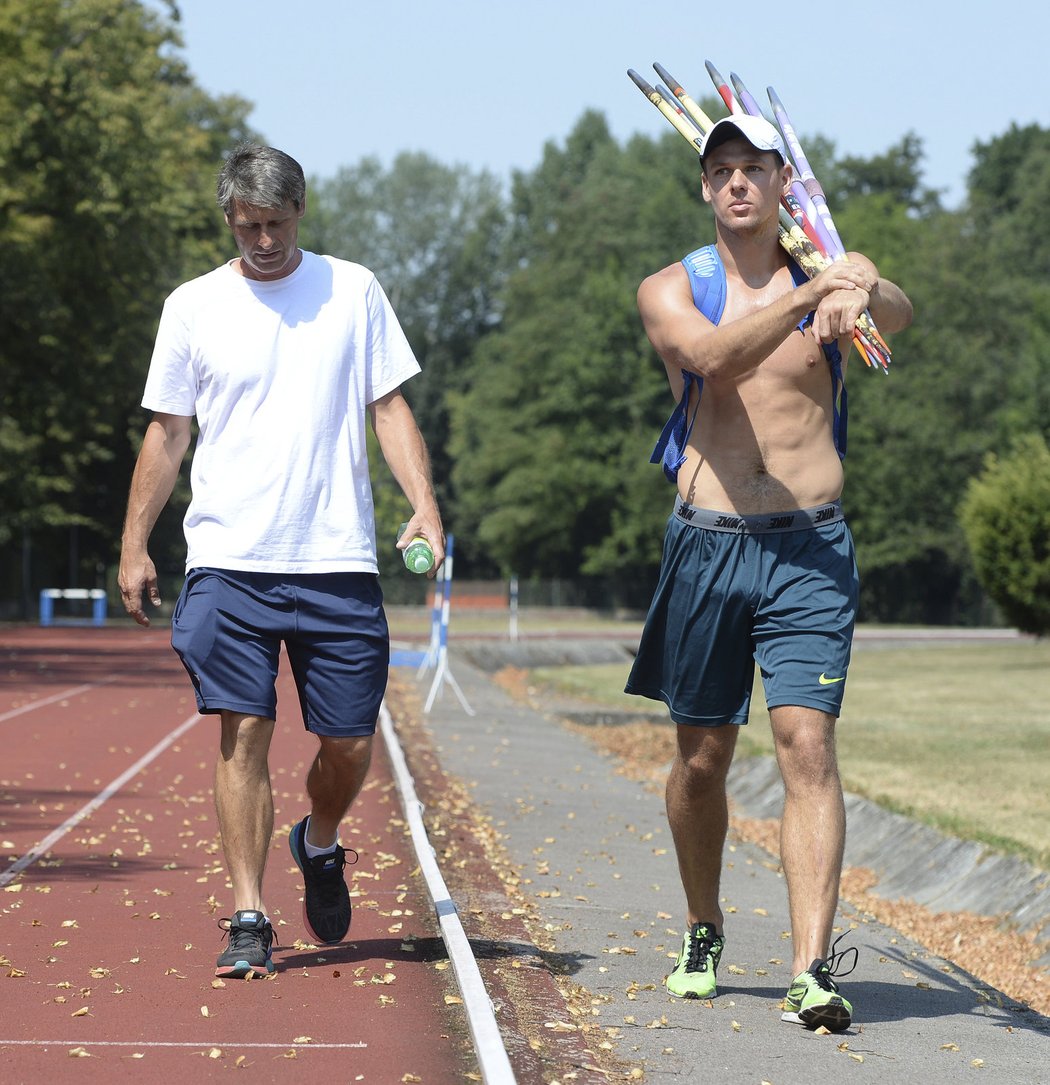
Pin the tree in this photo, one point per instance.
(109, 152)
(972, 372)
(1006, 517)
(552, 441)
(896, 174)
(435, 236)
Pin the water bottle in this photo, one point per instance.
(418, 556)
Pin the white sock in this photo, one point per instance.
(311, 851)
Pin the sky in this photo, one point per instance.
(488, 84)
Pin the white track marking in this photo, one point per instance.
(73, 692)
(493, 1060)
(89, 807)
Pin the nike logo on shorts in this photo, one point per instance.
(824, 680)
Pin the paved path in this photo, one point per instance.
(594, 853)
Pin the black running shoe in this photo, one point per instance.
(326, 900)
(251, 937)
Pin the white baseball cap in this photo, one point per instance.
(756, 130)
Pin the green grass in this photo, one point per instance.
(957, 736)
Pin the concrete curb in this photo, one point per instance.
(914, 862)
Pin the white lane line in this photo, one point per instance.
(493, 1060)
(92, 805)
(72, 692)
(173, 1043)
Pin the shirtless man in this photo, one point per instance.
(758, 562)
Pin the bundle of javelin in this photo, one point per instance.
(807, 231)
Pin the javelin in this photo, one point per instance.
(692, 110)
(809, 180)
(810, 219)
(803, 251)
(816, 192)
(811, 196)
(723, 88)
(690, 132)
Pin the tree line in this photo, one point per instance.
(540, 396)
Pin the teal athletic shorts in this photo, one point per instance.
(779, 589)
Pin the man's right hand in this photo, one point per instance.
(845, 289)
(137, 575)
(843, 275)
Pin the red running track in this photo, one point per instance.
(108, 940)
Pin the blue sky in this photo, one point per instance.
(487, 84)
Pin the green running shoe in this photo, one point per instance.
(814, 999)
(693, 975)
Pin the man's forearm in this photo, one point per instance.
(153, 480)
(890, 308)
(405, 452)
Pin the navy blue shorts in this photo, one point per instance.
(228, 628)
(780, 590)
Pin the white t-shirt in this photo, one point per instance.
(279, 375)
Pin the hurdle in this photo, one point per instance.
(98, 605)
(442, 673)
(433, 652)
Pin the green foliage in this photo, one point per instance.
(551, 442)
(895, 175)
(540, 395)
(435, 236)
(108, 152)
(1005, 515)
(971, 372)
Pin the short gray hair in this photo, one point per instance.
(262, 177)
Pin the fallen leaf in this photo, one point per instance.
(79, 1053)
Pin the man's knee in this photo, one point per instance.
(705, 754)
(350, 754)
(244, 738)
(805, 745)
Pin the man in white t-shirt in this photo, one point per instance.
(280, 355)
